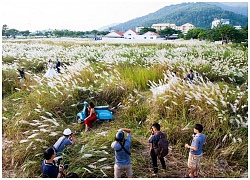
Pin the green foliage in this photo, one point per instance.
(197, 33)
(146, 29)
(200, 14)
(10, 82)
(8, 60)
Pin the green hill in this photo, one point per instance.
(199, 14)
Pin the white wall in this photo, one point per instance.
(129, 34)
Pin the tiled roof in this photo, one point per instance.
(119, 32)
(134, 31)
(152, 33)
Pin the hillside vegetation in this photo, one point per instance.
(136, 81)
(199, 14)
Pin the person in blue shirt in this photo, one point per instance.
(122, 153)
(49, 169)
(195, 153)
(66, 139)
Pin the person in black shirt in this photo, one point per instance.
(190, 75)
(153, 139)
(58, 64)
(22, 74)
(49, 169)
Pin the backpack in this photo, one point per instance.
(162, 146)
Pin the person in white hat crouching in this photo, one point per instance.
(63, 141)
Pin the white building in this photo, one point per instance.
(238, 27)
(130, 34)
(162, 26)
(183, 28)
(186, 27)
(114, 34)
(150, 35)
(138, 29)
(216, 22)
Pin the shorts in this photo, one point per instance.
(118, 170)
(194, 160)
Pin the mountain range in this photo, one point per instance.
(200, 14)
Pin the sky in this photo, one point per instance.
(75, 15)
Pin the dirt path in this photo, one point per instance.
(177, 165)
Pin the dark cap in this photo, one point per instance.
(119, 136)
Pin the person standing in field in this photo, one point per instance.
(51, 71)
(88, 121)
(22, 73)
(195, 153)
(153, 139)
(121, 145)
(58, 64)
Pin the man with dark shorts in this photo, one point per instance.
(195, 153)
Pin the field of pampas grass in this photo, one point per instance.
(137, 82)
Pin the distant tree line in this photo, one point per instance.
(225, 33)
(6, 32)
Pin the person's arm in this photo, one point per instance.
(129, 131)
(60, 173)
(90, 113)
(73, 139)
(191, 147)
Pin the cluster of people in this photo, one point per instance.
(51, 167)
(122, 144)
(122, 148)
(50, 73)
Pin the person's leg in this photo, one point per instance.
(86, 128)
(192, 170)
(154, 160)
(129, 171)
(191, 164)
(197, 161)
(163, 163)
(117, 171)
(196, 172)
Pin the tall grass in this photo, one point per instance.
(136, 81)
